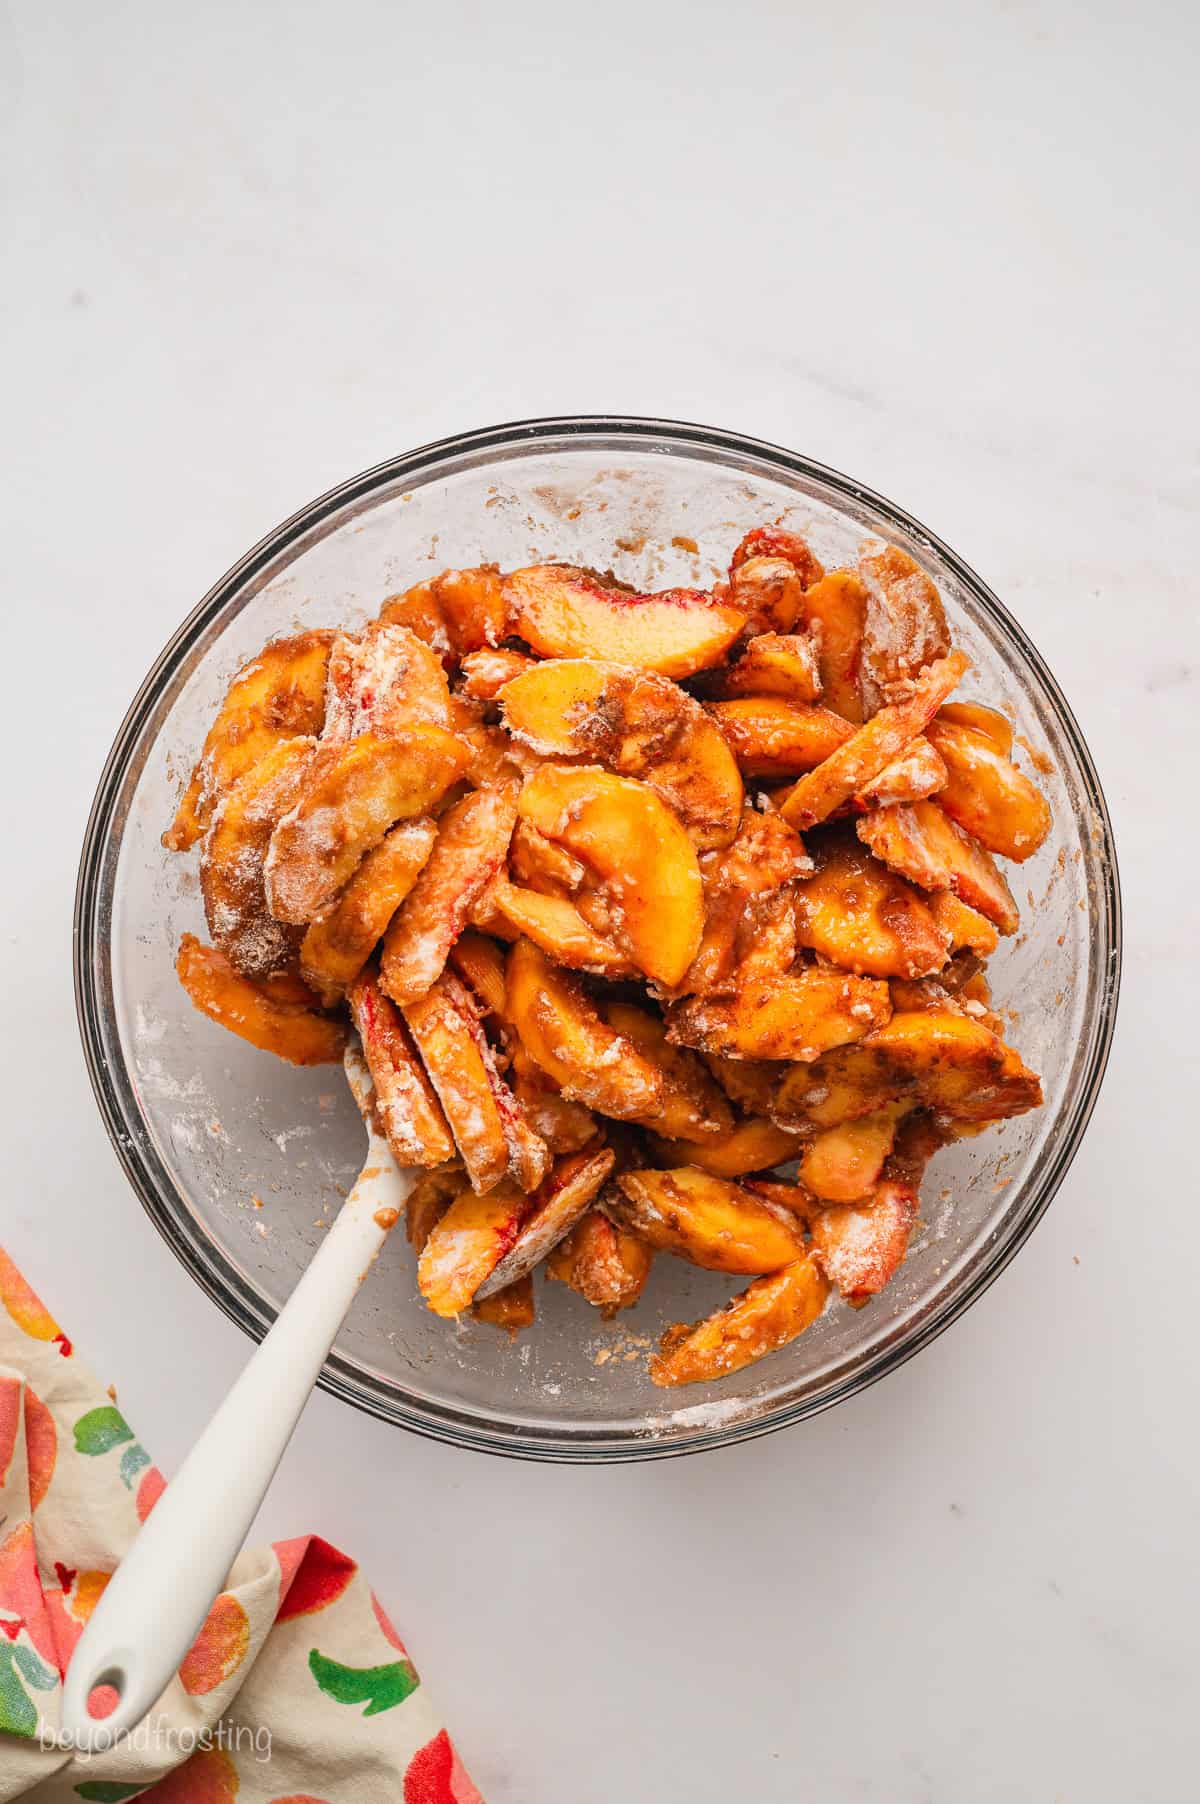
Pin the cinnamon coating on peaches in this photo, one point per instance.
(661, 919)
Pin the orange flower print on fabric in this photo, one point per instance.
(218, 1649)
(41, 1446)
(26, 1307)
(208, 1777)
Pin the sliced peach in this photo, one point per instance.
(557, 926)
(766, 1316)
(707, 1220)
(637, 724)
(748, 1083)
(855, 764)
(770, 737)
(480, 964)
(769, 591)
(280, 694)
(799, 1016)
(846, 1084)
(647, 897)
(428, 1201)
(965, 925)
(844, 1163)
(409, 1112)
(860, 1246)
(693, 1107)
(607, 1264)
(765, 856)
(860, 916)
(487, 1121)
(384, 682)
(778, 542)
(511, 1309)
(561, 1029)
(472, 839)
(567, 613)
(540, 864)
(750, 1145)
(905, 625)
(834, 611)
(958, 1066)
(231, 860)
(256, 1012)
(987, 795)
(457, 612)
(915, 774)
(564, 1196)
(484, 673)
(782, 664)
(564, 1125)
(355, 790)
(467, 1243)
(341, 940)
(995, 727)
(922, 843)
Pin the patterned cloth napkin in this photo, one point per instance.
(297, 1691)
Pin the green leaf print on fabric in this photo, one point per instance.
(378, 1687)
(106, 1791)
(34, 1669)
(135, 1459)
(101, 1430)
(17, 1713)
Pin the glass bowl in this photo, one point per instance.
(241, 1161)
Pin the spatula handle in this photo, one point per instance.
(153, 1606)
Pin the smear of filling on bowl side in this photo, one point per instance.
(632, 900)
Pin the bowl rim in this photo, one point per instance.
(338, 1377)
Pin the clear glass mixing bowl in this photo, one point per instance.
(240, 1161)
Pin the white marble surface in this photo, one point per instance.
(252, 249)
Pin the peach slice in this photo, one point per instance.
(355, 791)
(511, 1309)
(340, 941)
(480, 964)
(855, 764)
(920, 842)
(693, 1107)
(428, 1201)
(488, 1124)
(407, 1106)
(777, 542)
(905, 624)
(782, 664)
(280, 694)
(995, 727)
(749, 1084)
(766, 1316)
(538, 863)
(637, 724)
(915, 774)
(563, 1032)
(648, 897)
(472, 839)
(564, 1196)
(484, 673)
(231, 859)
(565, 1126)
(770, 737)
(834, 611)
(844, 1163)
(467, 1243)
(567, 613)
(707, 1220)
(860, 916)
(860, 1246)
(765, 855)
(965, 925)
(987, 795)
(384, 682)
(608, 1265)
(749, 1146)
(267, 1015)
(796, 1017)
(558, 928)
(458, 612)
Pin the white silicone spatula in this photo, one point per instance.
(152, 1608)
